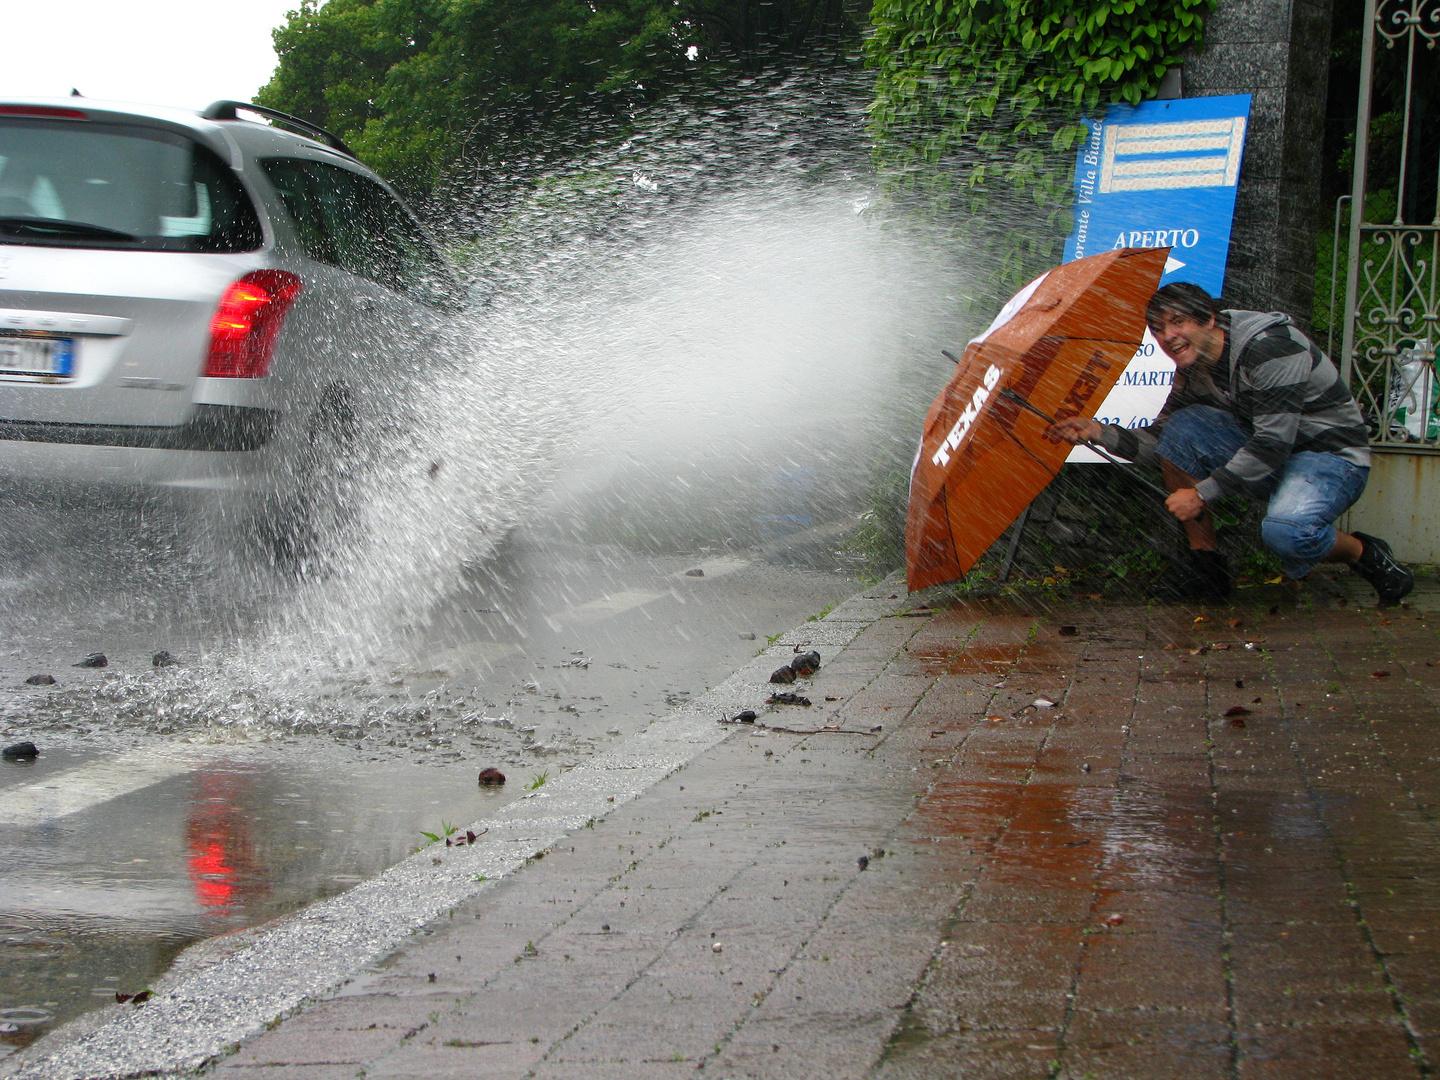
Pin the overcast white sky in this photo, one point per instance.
(159, 52)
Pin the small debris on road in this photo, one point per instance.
(491, 776)
(805, 664)
(1237, 710)
(1067, 631)
(21, 751)
(696, 572)
(747, 635)
(717, 948)
(787, 699)
(41, 680)
(863, 862)
(783, 675)
(162, 659)
(95, 659)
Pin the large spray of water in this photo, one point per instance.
(691, 337)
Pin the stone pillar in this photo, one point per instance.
(1278, 51)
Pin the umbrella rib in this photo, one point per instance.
(1016, 440)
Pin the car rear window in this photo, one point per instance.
(96, 185)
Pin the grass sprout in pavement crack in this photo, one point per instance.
(537, 780)
(446, 830)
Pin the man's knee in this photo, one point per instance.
(1298, 541)
(1187, 428)
(1198, 439)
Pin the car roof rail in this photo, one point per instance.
(225, 110)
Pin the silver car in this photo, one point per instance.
(199, 301)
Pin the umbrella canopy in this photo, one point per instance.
(1060, 343)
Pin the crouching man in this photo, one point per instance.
(1256, 409)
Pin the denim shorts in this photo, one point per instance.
(1312, 490)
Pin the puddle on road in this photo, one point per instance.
(100, 901)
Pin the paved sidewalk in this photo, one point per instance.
(1135, 881)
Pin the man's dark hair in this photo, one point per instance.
(1183, 299)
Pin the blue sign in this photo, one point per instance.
(1162, 174)
(1159, 174)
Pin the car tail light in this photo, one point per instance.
(247, 322)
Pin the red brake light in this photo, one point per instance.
(49, 112)
(247, 322)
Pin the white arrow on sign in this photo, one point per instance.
(1172, 264)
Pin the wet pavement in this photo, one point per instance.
(1084, 839)
(174, 804)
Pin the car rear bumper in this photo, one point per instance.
(222, 447)
(221, 428)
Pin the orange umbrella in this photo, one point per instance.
(1060, 344)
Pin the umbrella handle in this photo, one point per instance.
(1010, 395)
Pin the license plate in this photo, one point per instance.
(37, 354)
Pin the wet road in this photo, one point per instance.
(175, 803)
(1021, 841)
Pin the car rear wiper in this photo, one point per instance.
(50, 227)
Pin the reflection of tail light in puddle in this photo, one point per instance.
(221, 857)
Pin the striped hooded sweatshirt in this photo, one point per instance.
(1281, 387)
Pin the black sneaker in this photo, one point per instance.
(1205, 575)
(1377, 565)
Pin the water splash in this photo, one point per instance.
(690, 337)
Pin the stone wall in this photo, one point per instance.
(1278, 51)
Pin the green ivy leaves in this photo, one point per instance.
(992, 91)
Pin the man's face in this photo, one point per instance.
(1185, 340)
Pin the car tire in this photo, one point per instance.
(306, 525)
